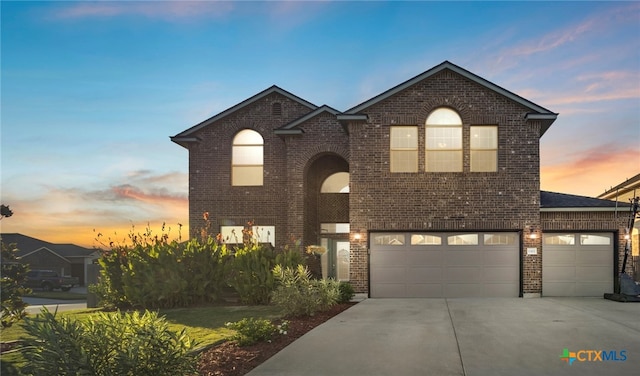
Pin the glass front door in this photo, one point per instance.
(335, 262)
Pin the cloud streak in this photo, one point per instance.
(163, 10)
(74, 213)
(592, 171)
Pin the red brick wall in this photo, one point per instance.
(603, 221)
(210, 187)
(504, 200)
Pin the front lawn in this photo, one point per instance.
(204, 324)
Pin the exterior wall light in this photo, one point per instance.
(532, 234)
(357, 236)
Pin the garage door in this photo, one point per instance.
(577, 264)
(436, 265)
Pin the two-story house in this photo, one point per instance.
(429, 189)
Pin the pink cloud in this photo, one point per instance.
(592, 172)
(159, 197)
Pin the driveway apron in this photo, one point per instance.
(468, 337)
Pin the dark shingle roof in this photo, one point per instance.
(27, 245)
(563, 200)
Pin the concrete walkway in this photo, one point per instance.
(467, 337)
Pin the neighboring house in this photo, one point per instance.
(66, 259)
(623, 193)
(429, 189)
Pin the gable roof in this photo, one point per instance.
(552, 201)
(185, 137)
(27, 245)
(292, 127)
(537, 112)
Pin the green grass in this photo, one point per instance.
(204, 324)
(61, 295)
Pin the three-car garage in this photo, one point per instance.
(486, 264)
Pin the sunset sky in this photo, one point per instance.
(91, 91)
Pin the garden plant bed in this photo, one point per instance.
(229, 359)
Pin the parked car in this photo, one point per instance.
(49, 280)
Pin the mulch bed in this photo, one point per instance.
(229, 359)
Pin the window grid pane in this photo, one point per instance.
(404, 149)
(484, 137)
(246, 175)
(404, 161)
(424, 239)
(484, 161)
(389, 239)
(563, 239)
(248, 137)
(404, 137)
(591, 239)
(444, 116)
(463, 239)
(441, 138)
(444, 161)
(247, 155)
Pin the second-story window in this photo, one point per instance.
(247, 158)
(404, 149)
(443, 142)
(484, 148)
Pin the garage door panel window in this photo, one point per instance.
(423, 239)
(560, 239)
(463, 239)
(389, 239)
(499, 239)
(591, 239)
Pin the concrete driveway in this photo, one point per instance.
(468, 337)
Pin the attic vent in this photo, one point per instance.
(276, 109)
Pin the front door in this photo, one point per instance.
(335, 262)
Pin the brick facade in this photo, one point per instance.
(304, 144)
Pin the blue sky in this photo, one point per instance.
(91, 91)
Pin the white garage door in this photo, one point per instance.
(436, 265)
(577, 264)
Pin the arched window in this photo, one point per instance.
(443, 146)
(247, 158)
(336, 183)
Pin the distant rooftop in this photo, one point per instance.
(562, 200)
(623, 190)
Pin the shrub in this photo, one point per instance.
(155, 273)
(251, 330)
(297, 294)
(249, 273)
(13, 277)
(107, 344)
(346, 292)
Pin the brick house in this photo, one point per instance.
(429, 189)
(65, 259)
